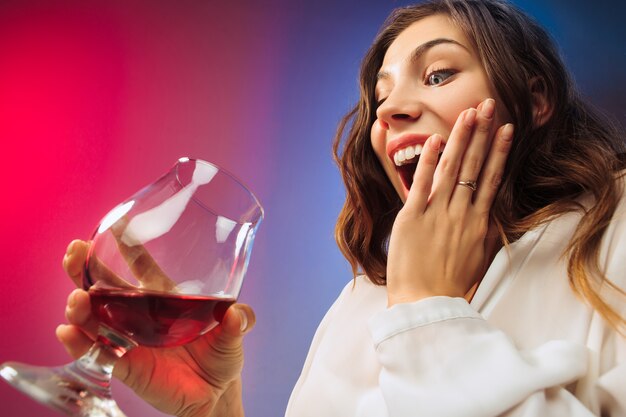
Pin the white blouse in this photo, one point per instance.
(525, 346)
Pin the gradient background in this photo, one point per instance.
(99, 98)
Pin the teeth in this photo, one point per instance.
(403, 155)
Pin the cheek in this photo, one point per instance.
(455, 101)
(378, 139)
(450, 113)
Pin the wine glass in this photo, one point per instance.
(162, 269)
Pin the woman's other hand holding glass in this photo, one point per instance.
(201, 378)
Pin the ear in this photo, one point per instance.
(542, 107)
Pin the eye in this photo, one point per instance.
(439, 76)
(380, 102)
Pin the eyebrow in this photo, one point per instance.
(422, 49)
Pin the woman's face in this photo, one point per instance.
(429, 75)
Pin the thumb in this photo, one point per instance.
(220, 352)
(227, 338)
(238, 320)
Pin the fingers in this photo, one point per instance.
(145, 269)
(448, 169)
(141, 263)
(100, 274)
(472, 155)
(74, 264)
(75, 341)
(78, 336)
(74, 260)
(477, 149)
(423, 177)
(493, 169)
(462, 160)
(78, 312)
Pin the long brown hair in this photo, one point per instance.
(574, 153)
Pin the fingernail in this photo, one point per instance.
(507, 132)
(488, 108)
(435, 141)
(244, 321)
(469, 117)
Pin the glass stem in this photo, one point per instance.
(95, 368)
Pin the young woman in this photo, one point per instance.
(485, 225)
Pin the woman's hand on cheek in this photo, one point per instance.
(437, 244)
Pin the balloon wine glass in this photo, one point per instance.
(162, 269)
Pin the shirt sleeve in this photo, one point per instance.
(439, 357)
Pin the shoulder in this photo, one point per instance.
(561, 231)
(615, 226)
(360, 295)
(361, 287)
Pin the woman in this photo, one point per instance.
(493, 260)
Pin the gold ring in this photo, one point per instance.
(469, 184)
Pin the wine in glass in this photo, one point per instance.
(162, 269)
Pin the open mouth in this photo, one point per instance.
(404, 152)
(406, 161)
(406, 173)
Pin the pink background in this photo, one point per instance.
(99, 98)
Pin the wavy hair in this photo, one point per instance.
(574, 153)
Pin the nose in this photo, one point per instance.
(399, 108)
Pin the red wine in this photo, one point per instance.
(157, 319)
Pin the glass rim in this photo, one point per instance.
(233, 177)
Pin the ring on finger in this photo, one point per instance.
(469, 184)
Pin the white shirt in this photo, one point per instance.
(525, 346)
